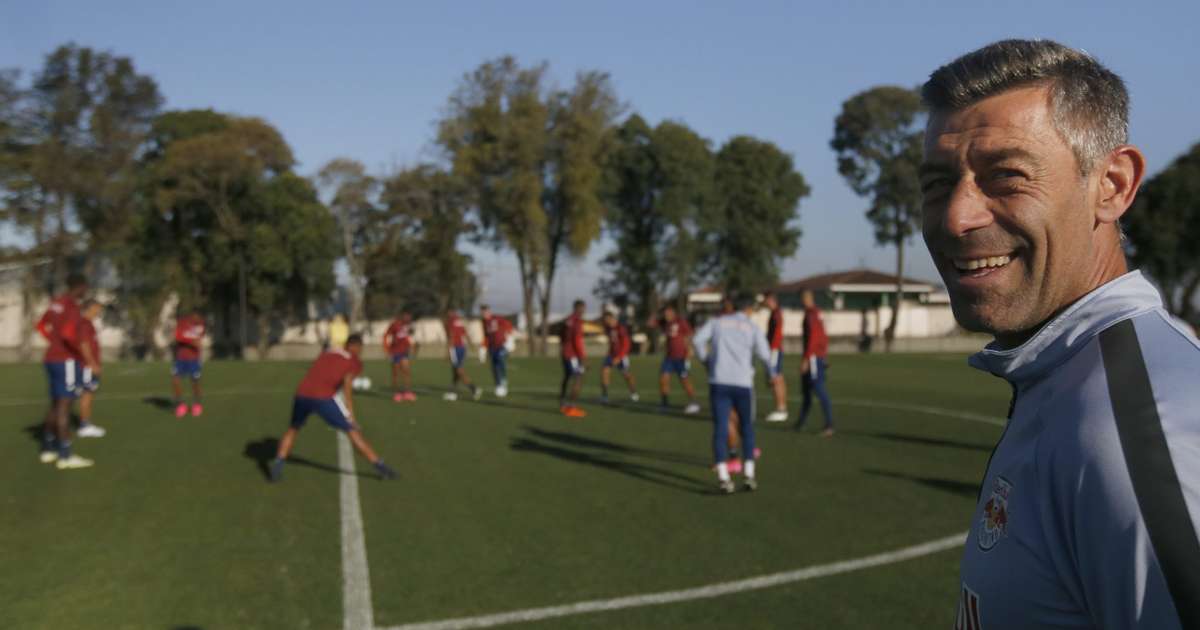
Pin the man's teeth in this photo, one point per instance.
(981, 263)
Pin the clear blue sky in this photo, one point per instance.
(367, 80)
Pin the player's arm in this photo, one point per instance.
(388, 336)
(763, 350)
(85, 348)
(700, 341)
(44, 327)
(348, 396)
(808, 344)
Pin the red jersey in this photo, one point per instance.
(328, 372)
(572, 338)
(89, 338)
(456, 332)
(678, 335)
(619, 342)
(398, 337)
(816, 344)
(60, 326)
(775, 329)
(189, 335)
(496, 330)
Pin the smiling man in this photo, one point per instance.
(1088, 510)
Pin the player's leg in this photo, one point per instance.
(460, 359)
(301, 408)
(86, 397)
(197, 391)
(177, 389)
(735, 441)
(396, 361)
(605, 375)
(818, 387)
(406, 379)
(72, 375)
(806, 393)
(684, 379)
(664, 383)
(721, 404)
(335, 414)
(628, 374)
(778, 388)
(743, 401)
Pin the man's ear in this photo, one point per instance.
(1120, 177)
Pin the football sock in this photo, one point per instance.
(723, 471)
(64, 449)
(748, 468)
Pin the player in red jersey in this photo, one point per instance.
(573, 356)
(675, 361)
(619, 345)
(397, 343)
(497, 333)
(327, 390)
(189, 339)
(775, 341)
(457, 340)
(64, 361)
(90, 381)
(814, 366)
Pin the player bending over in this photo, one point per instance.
(90, 380)
(619, 345)
(734, 341)
(189, 336)
(64, 360)
(397, 343)
(675, 361)
(328, 392)
(573, 356)
(497, 333)
(456, 338)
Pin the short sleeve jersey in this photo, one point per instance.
(60, 324)
(399, 336)
(678, 333)
(456, 332)
(619, 342)
(189, 335)
(326, 375)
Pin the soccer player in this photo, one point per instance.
(573, 356)
(1089, 507)
(814, 365)
(189, 337)
(327, 390)
(90, 381)
(619, 345)
(675, 360)
(728, 345)
(397, 343)
(775, 340)
(457, 340)
(63, 358)
(496, 331)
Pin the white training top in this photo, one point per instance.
(735, 341)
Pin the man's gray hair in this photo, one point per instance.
(1089, 102)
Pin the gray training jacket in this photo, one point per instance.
(735, 342)
(1087, 514)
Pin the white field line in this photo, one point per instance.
(702, 592)
(933, 411)
(357, 611)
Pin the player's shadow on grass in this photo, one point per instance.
(263, 451)
(959, 488)
(925, 441)
(580, 441)
(643, 472)
(159, 402)
(645, 408)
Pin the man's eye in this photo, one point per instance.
(1006, 173)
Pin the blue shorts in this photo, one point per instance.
(458, 356)
(675, 366)
(572, 366)
(330, 410)
(186, 367)
(65, 378)
(90, 382)
(398, 357)
(621, 364)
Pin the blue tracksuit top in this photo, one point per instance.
(1088, 511)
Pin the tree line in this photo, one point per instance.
(207, 207)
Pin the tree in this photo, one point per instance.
(660, 194)
(759, 192)
(1163, 232)
(877, 137)
(352, 204)
(531, 159)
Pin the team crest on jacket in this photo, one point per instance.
(993, 523)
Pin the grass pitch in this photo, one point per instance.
(501, 505)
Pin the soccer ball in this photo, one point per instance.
(501, 391)
(362, 383)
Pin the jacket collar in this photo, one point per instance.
(1120, 299)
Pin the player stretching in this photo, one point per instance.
(60, 326)
(812, 370)
(573, 356)
(328, 392)
(675, 361)
(735, 341)
(496, 331)
(397, 342)
(89, 381)
(189, 336)
(775, 340)
(619, 345)
(456, 338)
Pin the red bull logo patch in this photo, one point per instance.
(993, 523)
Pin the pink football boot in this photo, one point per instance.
(181, 410)
(197, 409)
